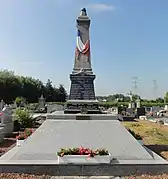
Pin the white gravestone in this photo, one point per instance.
(1, 105)
(41, 102)
(130, 105)
(138, 103)
(6, 115)
(6, 121)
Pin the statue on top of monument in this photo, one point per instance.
(83, 12)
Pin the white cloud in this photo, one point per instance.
(101, 7)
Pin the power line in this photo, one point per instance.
(135, 82)
(155, 89)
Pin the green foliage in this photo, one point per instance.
(82, 151)
(166, 98)
(24, 117)
(20, 100)
(13, 86)
(136, 136)
(136, 125)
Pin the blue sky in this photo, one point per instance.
(128, 39)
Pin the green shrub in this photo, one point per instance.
(24, 117)
(20, 100)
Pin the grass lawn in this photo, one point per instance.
(154, 135)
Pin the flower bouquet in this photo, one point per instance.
(83, 155)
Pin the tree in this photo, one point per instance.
(166, 98)
(62, 94)
(13, 86)
(50, 96)
(160, 100)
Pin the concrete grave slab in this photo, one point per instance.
(54, 134)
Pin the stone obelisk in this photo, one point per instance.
(82, 93)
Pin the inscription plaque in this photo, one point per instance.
(82, 87)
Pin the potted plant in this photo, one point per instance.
(136, 136)
(81, 154)
(20, 139)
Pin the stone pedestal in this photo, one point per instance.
(82, 87)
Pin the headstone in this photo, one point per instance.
(140, 112)
(2, 105)
(133, 105)
(130, 111)
(41, 102)
(82, 93)
(138, 103)
(6, 115)
(148, 109)
(166, 107)
(155, 108)
(15, 105)
(130, 105)
(23, 104)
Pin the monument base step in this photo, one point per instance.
(82, 106)
(73, 111)
(85, 170)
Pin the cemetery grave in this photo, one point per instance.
(83, 128)
(154, 136)
(9, 130)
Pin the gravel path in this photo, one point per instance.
(26, 176)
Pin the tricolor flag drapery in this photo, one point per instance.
(82, 48)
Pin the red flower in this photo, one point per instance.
(82, 151)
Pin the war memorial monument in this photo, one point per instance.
(62, 129)
(82, 93)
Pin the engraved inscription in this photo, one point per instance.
(82, 88)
